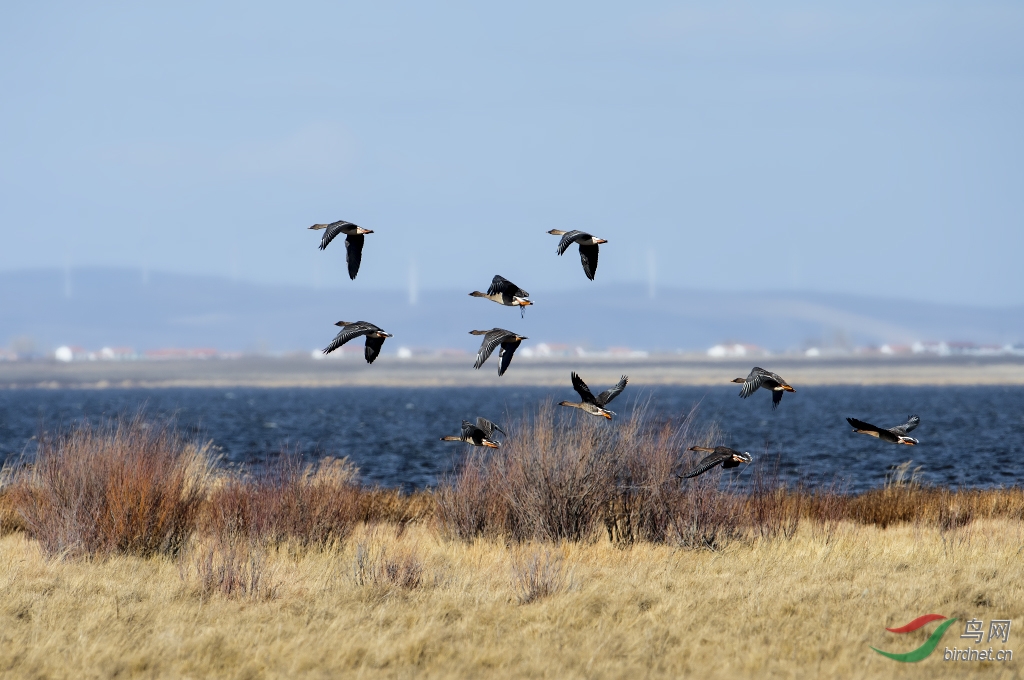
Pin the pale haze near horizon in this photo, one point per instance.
(868, 149)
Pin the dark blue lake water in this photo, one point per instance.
(970, 436)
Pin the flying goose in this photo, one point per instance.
(353, 242)
(723, 455)
(504, 292)
(588, 248)
(761, 378)
(374, 337)
(594, 405)
(477, 435)
(508, 340)
(895, 435)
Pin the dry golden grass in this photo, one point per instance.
(405, 602)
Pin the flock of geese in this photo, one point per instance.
(504, 292)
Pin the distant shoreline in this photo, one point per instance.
(352, 371)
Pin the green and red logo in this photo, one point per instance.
(930, 644)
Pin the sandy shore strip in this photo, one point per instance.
(458, 372)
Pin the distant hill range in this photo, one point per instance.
(98, 307)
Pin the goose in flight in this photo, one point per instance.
(375, 337)
(504, 292)
(595, 406)
(720, 455)
(895, 435)
(761, 378)
(477, 435)
(588, 248)
(353, 242)
(508, 340)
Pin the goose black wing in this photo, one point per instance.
(872, 430)
(906, 427)
(588, 256)
(581, 388)
(333, 229)
(499, 284)
(776, 398)
(611, 393)
(706, 464)
(488, 427)
(354, 253)
(569, 237)
(492, 339)
(470, 431)
(507, 350)
(373, 345)
(753, 382)
(353, 330)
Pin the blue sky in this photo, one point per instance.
(861, 148)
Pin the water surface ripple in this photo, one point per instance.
(970, 436)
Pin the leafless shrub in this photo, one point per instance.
(825, 507)
(537, 575)
(953, 515)
(374, 565)
(10, 521)
(560, 476)
(552, 479)
(648, 492)
(313, 505)
(704, 516)
(231, 568)
(556, 476)
(124, 487)
(468, 504)
(772, 511)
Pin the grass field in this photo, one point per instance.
(123, 553)
(416, 604)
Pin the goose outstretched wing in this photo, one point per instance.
(906, 427)
(333, 229)
(499, 284)
(348, 332)
(706, 463)
(588, 256)
(753, 382)
(373, 345)
(468, 430)
(581, 388)
(507, 350)
(570, 237)
(492, 339)
(488, 427)
(611, 393)
(872, 430)
(353, 253)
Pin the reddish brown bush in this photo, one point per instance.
(125, 487)
(313, 505)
